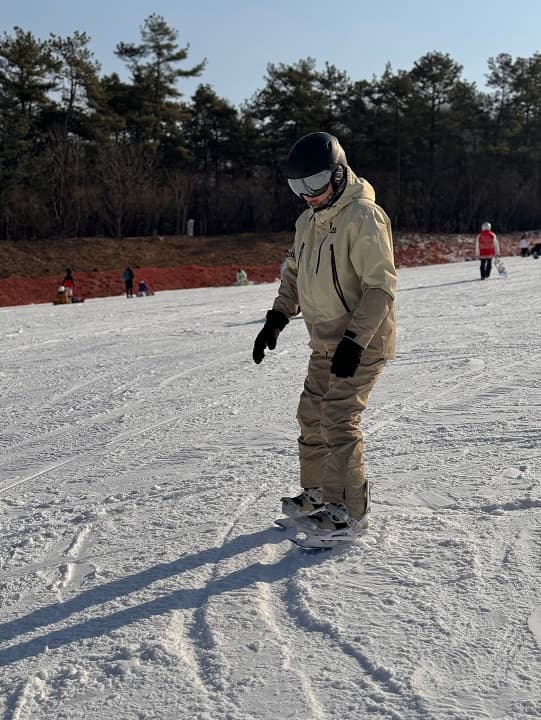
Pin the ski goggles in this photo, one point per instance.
(311, 186)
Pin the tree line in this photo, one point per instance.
(83, 154)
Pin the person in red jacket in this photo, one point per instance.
(69, 283)
(487, 248)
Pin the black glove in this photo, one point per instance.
(346, 358)
(274, 324)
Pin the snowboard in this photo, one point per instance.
(309, 540)
(289, 523)
(296, 525)
(500, 267)
(316, 543)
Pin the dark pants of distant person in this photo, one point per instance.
(524, 252)
(486, 267)
(129, 288)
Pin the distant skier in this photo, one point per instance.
(487, 248)
(341, 271)
(69, 283)
(524, 246)
(142, 289)
(242, 277)
(61, 296)
(282, 268)
(127, 276)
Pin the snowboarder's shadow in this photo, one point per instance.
(181, 599)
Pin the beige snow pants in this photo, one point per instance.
(331, 442)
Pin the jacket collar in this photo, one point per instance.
(356, 188)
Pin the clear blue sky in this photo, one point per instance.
(240, 37)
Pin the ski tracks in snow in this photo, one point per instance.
(257, 602)
(264, 608)
(457, 489)
(148, 531)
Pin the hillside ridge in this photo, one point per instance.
(37, 258)
(31, 271)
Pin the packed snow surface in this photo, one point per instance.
(143, 458)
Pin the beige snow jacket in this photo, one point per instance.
(341, 273)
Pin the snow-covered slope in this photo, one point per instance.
(143, 457)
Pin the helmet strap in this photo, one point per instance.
(337, 177)
(338, 182)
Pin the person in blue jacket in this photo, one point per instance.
(127, 276)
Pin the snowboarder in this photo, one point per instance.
(487, 248)
(341, 271)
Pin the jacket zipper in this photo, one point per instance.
(336, 282)
(319, 252)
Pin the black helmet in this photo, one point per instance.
(314, 161)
